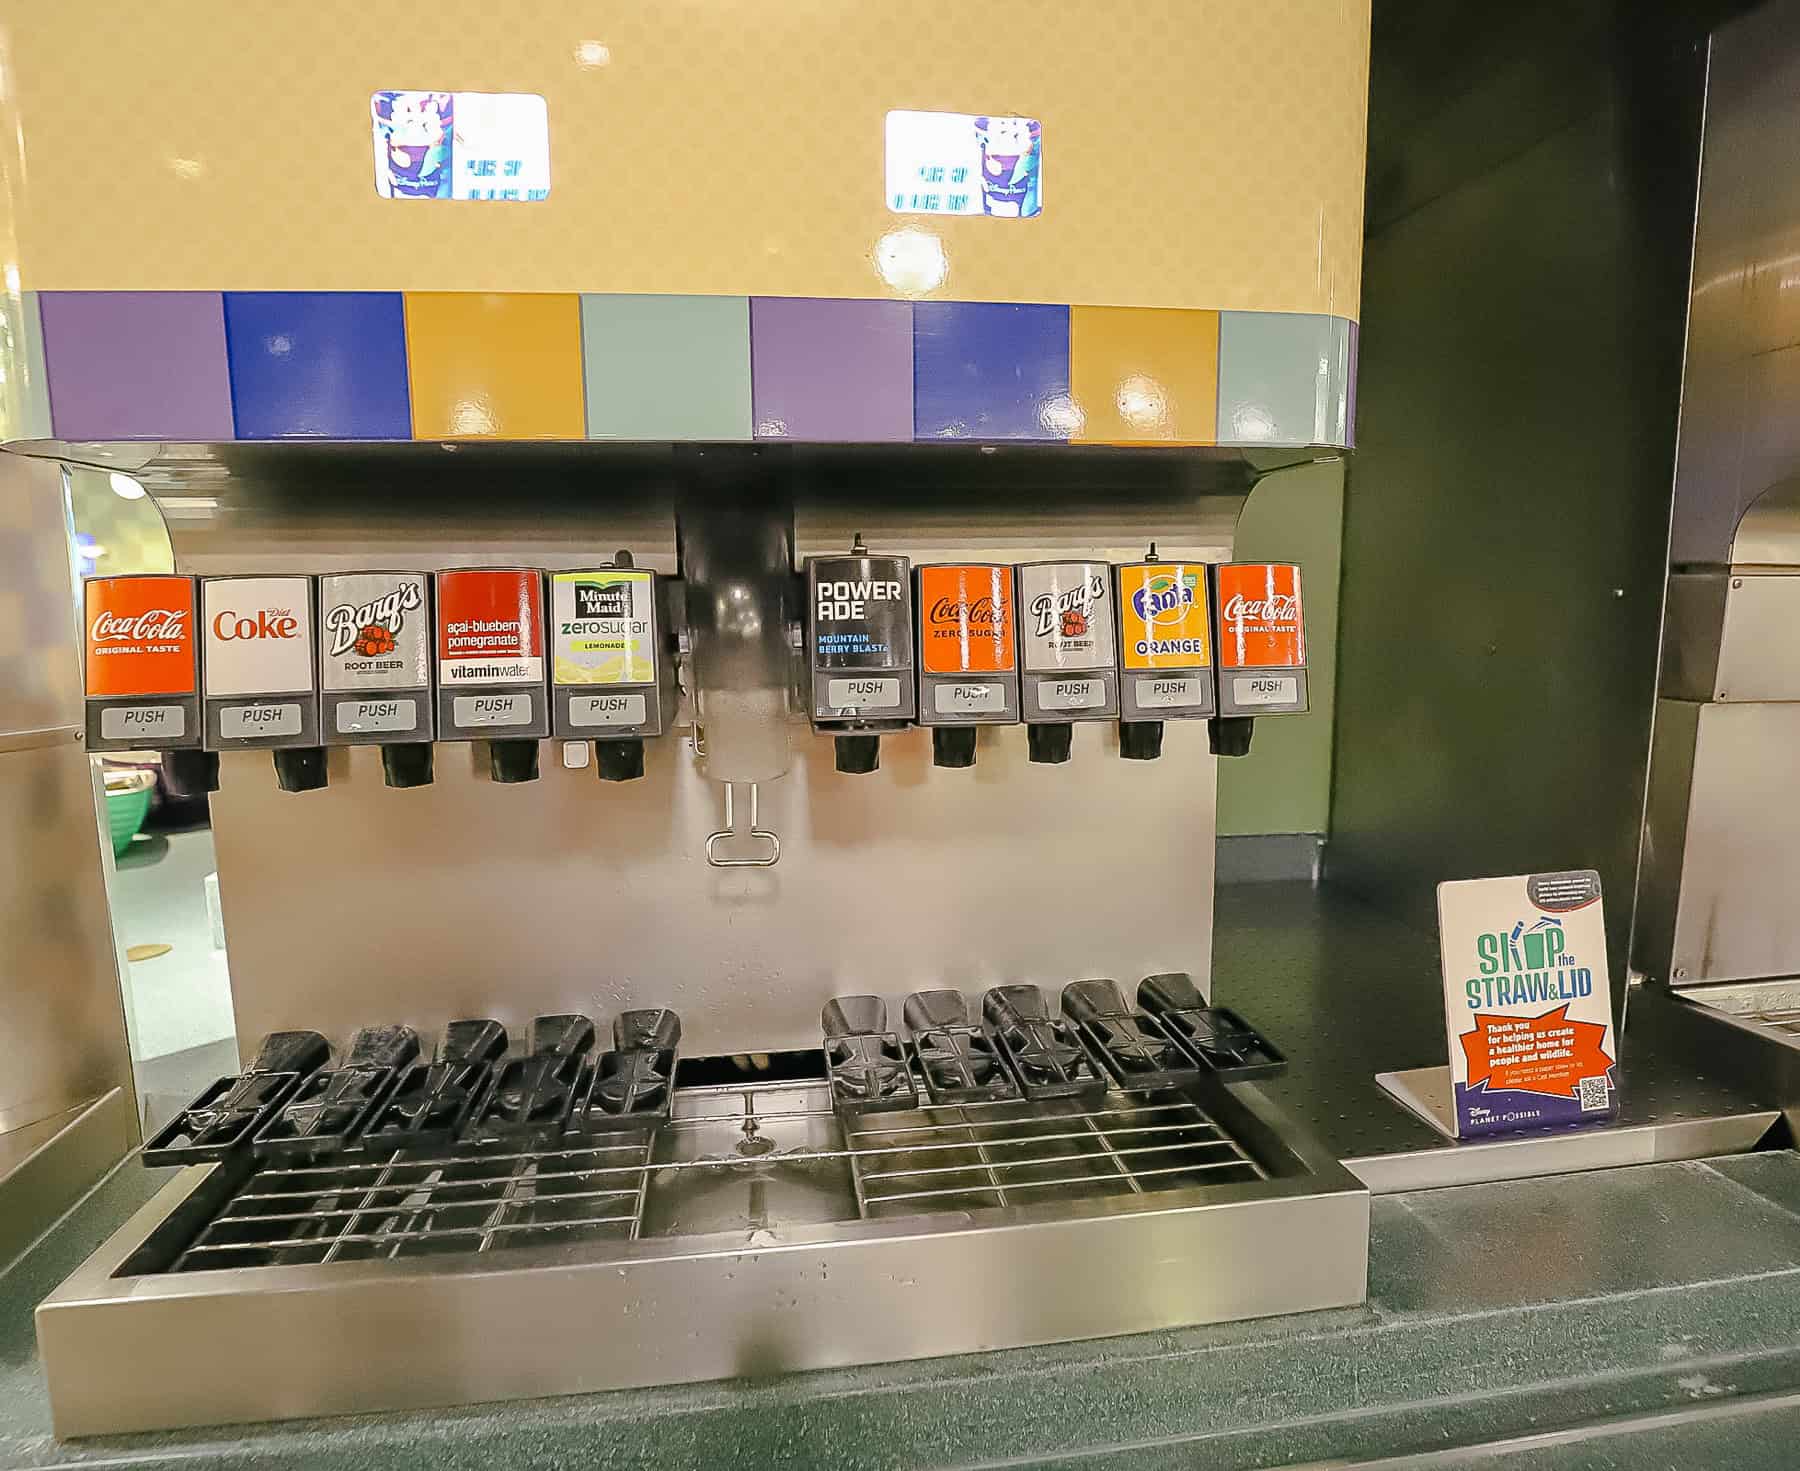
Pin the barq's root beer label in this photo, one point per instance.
(966, 620)
(1068, 641)
(375, 656)
(140, 636)
(1262, 639)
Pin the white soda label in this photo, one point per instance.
(1168, 694)
(243, 722)
(358, 717)
(1071, 694)
(602, 629)
(596, 710)
(863, 694)
(374, 632)
(1265, 689)
(258, 635)
(1066, 616)
(968, 699)
(491, 709)
(143, 722)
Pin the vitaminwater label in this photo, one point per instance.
(1163, 616)
(1260, 622)
(140, 636)
(490, 627)
(258, 635)
(966, 620)
(1066, 616)
(1528, 1007)
(603, 627)
(374, 631)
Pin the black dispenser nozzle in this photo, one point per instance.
(619, 760)
(407, 765)
(1049, 745)
(300, 768)
(190, 773)
(1140, 740)
(953, 746)
(1229, 735)
(512, 761)
(858, 755)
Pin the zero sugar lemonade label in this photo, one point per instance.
(603, 626)
(1528, 1007)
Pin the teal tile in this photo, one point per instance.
(667, 367)
(25, 401)
(1284, 378)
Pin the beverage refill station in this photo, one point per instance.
(712, 747)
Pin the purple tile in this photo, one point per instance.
(991, 370)
(831, 370)
(136, 364)
(318, 364)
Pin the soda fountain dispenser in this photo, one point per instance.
(968, 655)
(259, 674)
(612, 681)
(1262, 649)
(142, 671)
(859, 634)
(490, 665)
(375, 669)
(1068, 651)
(1165, 651)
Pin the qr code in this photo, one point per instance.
(1593, 1094)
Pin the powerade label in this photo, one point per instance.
(1163, 616)
(140, 636)
(966, 620)
(1066, 616)
(1528, 1008)
(490, 627)
(859, 612)
(374, 632)
(603, 628)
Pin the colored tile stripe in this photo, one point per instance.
(438, 365)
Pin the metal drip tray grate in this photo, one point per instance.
(1787, 1019)
(731, 1158)
(998, 1154)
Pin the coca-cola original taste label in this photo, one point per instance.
(1262, 639)
(140, 636)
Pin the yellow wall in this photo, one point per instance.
(1197, 153)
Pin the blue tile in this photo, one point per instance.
(991, 370)
(318, 364)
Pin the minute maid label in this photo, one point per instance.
(1528, 1009)
(603, 627)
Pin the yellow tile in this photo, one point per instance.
(1144, 374)
(483, 365)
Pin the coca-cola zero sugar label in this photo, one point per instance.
(375, 657)
(860, 636)
(1262, 639)
(490, 653)
(140, 642)
(1165, 641)
(257, 664)
(968, 644)
(1068, 641)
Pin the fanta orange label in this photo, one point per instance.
(1164, 621)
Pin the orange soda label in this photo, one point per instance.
(966, 619)
(1164, 621)
(1260, 624)
(140, 635)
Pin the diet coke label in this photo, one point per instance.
(257, 635)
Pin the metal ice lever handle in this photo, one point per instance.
(653, 1029)
(1171, 991)
(472, 1041)
(730, 830)
(383, 1047)
(561, 1036)
(290, 1052)
(853, 1016)
(1084, 1001)
(935, 1011)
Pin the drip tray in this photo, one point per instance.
(757, 1231)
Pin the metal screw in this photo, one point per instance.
(1681, 972)
(1737, 582)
